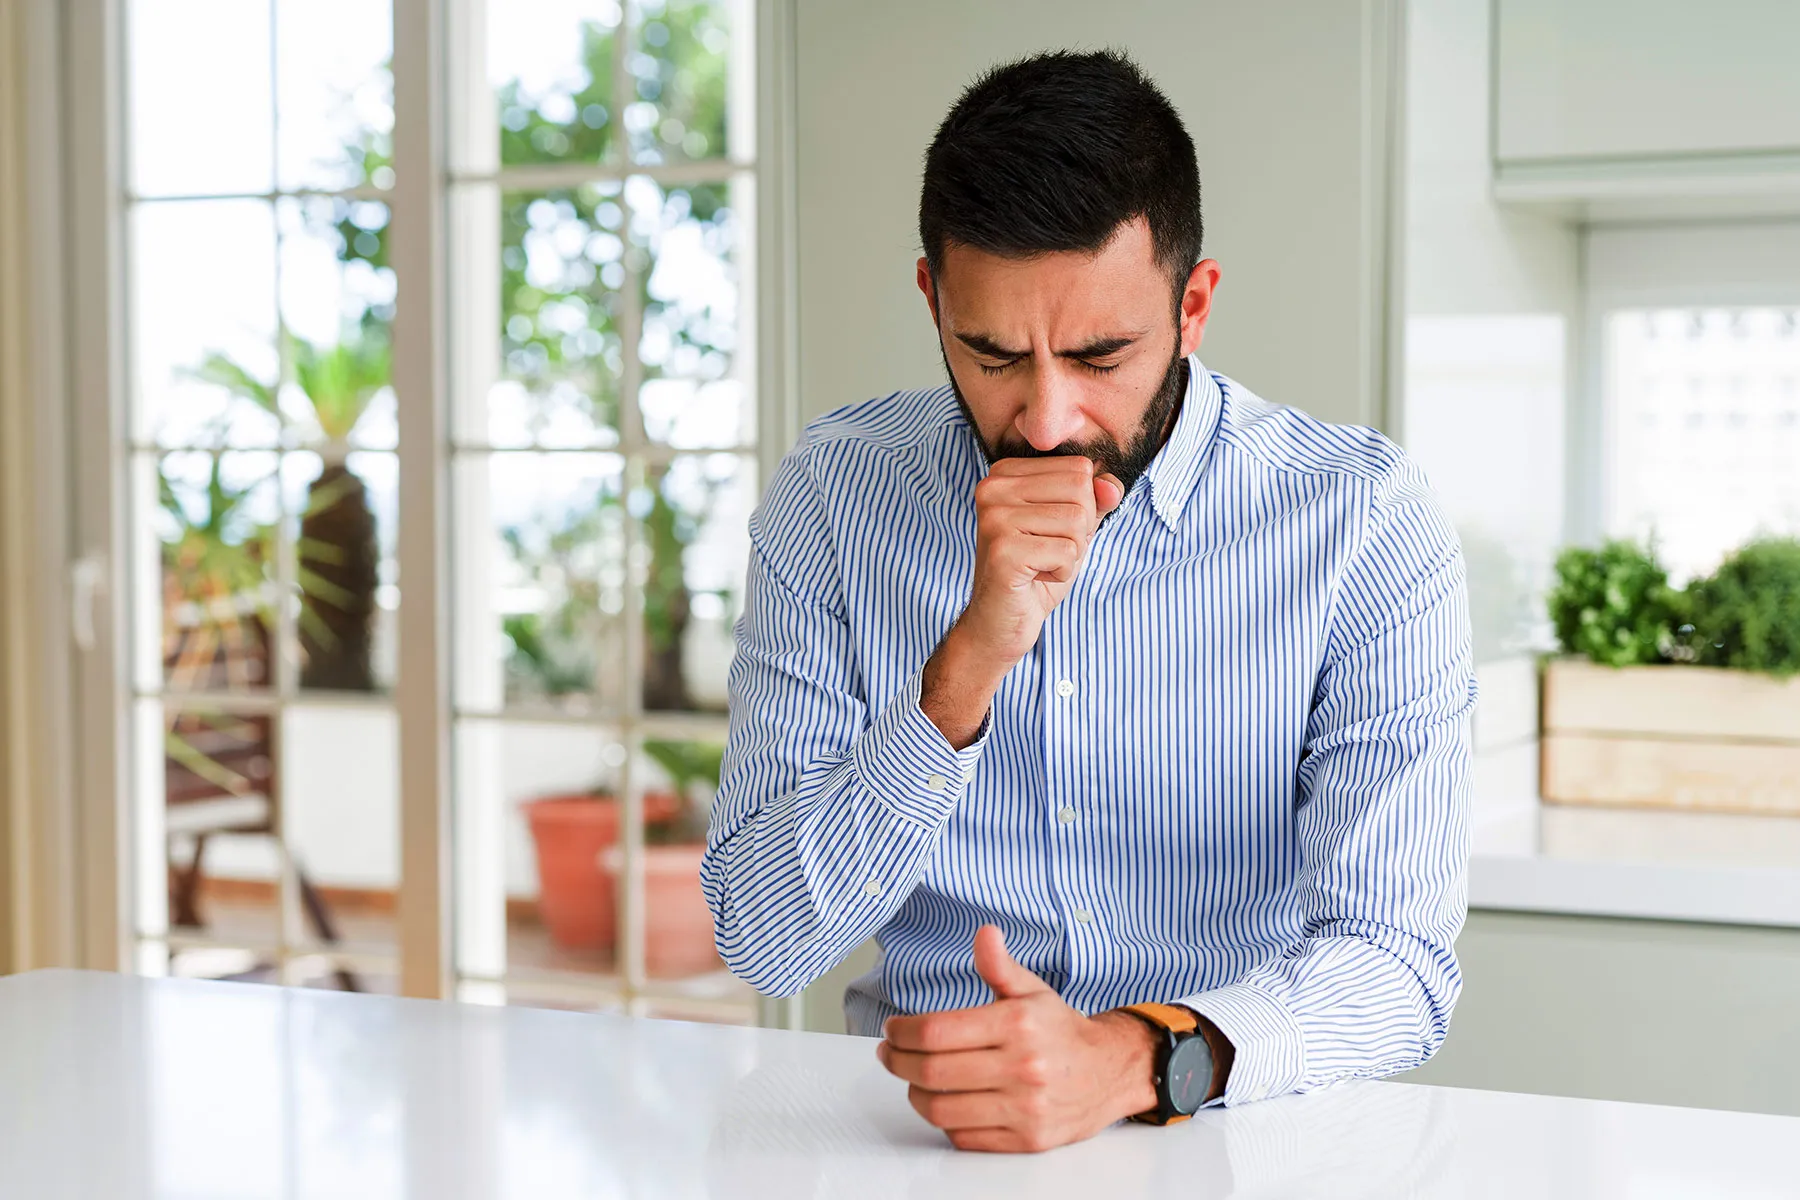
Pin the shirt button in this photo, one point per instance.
(872, 888)
(936, 783)
(1083, 915)
(1065, 688)
(1066, 816)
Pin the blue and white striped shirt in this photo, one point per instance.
(1233, 774)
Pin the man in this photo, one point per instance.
(1093, 681)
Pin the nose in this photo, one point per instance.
(1052, 414)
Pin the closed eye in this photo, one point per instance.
(1097, 368)
(1000, 368)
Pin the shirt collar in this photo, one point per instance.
(1175, 470)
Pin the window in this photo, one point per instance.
(263, 469)
(603, 468)
(1704, 409)
(601, 447)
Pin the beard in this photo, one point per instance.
(1125, 463)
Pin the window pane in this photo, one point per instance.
(203, 323)
(679, 61)
(695, 519)
(1705, 410)
(551, 67)
(561, 269)
(336, 97)
(220, 769)
(337, 306)
(696, 362)
(200, 97)
(341, 790)
(343, 510)
(217, 520)
(536, 816)
(543, 539)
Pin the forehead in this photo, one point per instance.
(1122, 281)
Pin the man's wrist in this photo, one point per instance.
(958, 686)
(1131, 1048)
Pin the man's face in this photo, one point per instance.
(1069, 353)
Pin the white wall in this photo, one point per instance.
(1273, 95)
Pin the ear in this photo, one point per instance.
(1196, 303)
(929, 287)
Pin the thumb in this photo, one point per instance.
(1108, 494)
(997, 968)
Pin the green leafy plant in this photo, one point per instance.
(1746, 615)
(1614, 605)
(686, 763)
(338, 555)
(556, 653)
(216, 607)
(216, 616)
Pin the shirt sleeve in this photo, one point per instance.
(1382, 821)
(828, 809)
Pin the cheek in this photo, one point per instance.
(995, 400)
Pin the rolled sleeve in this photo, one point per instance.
(1269, 1046)
(830, 806)
(908, 764)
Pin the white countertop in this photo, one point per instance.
(1676, 866)
(120, 1087)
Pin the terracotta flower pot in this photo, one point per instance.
(575, 892)
(678, 927)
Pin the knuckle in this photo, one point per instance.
(930, 1073)
(1034, 1069)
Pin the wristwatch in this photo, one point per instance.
(1184, 1062)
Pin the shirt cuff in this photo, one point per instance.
(906, 762)
(1269, 1048)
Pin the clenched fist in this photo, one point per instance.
(1034, 519)
(1026, 1072)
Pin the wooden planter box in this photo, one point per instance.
(1691, 738)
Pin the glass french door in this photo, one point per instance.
(599, 449)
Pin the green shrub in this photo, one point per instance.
(1747, 614)
(1614, 605)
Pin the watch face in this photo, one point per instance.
(1190, 1074)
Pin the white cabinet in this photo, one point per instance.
(1608, 99)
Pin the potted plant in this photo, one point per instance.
(572, 834)
(678, 926)
(576, 838)
(337, 556)
(1675, 699)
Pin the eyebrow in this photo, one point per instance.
(980, 343)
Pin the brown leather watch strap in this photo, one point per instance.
(1173, 1017)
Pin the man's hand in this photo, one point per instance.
(1026, 1072)
(1034, 519)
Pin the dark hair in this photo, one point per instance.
(1055, 152)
